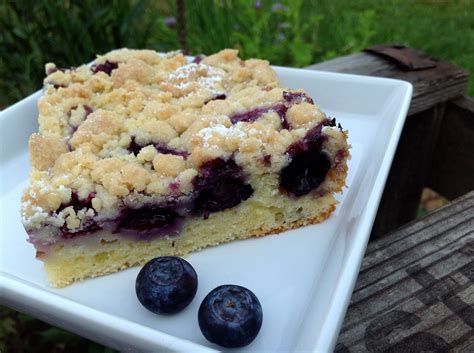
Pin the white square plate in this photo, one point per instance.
(303, 278)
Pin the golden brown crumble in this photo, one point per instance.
(89, 122)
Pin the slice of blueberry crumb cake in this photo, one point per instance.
(143, 154)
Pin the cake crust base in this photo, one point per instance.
(103, 253)
(142, 154)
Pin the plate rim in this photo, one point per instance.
(330, 331)
(12, 287)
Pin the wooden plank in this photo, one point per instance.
(409, 171)
(415, 291)
(430, 86)
(452, 168)
(407, 58)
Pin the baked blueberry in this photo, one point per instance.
(220, 185)
(106, 67)
(166, 285)
(309, 164)
(145, 163)
(146, 219)
(305, 173)
(230, 316)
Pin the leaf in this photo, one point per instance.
(301, 53)
(56, 335)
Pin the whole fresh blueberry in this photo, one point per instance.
(230, 316)
(166, 285)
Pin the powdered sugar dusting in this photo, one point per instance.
(234, 131)
(221, 108)
(207, 77)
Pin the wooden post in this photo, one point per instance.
(435, 83)
(452, 168)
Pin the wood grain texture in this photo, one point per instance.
(415, 290)
(430, 86)
(433, 87)
(409, 171)
(452, 169)
(407, 58)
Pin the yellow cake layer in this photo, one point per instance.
(267, 211)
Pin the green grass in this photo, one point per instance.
(299, 34)
(302, 32)
(444, 29)
(21, 333)
(66, 32)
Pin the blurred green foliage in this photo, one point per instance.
(292, 33)
(21, 333)
(289, 32)
(67, 32)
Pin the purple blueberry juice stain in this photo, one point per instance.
(106, 67)
(220, 185)
(249, 115)
(73, 128)
(135, 148)
(52, 70)
(78, 203)
(279, 108)
(267, 160)
(162, 148)
(312, 140)
(144, 223)
(198, 58)
(220, 96)
(297, 97)
(254, 114)
(174, 186)
(88, 110)
(87, 227)
(56, 69)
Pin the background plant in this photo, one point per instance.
(288, 32)
(294, 33)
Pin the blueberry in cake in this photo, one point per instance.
(143, 154)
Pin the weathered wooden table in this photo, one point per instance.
(437, 141)
(415, 291)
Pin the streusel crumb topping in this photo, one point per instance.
(137, 124)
